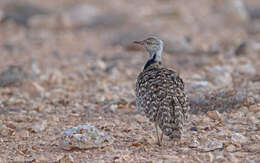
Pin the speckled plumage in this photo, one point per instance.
(160, 95)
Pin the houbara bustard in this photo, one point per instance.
(160, 93)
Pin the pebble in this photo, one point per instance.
(256, 137)
(84, 137)
(3, 130)
(211, 145)
(220, 158)
(99, 161)
(39, 126)
(254, 147)
(194, 143)
(215, 115)
(23, 134)
(113, 107)
(41, 158)
(238, 138)
(141, 119)
(231, 148)
(67, 158)
(194, 129)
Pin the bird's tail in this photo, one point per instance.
(171, 121)
(173, 132)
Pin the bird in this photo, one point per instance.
(160, 93)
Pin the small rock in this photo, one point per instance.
(23, 134)
(39, 126)
(194, 129)
(223, 132)
(238, 138)
(254, 147)
(97, 161)
(84, 137)
(3, 130)
(41, 158)
(13, 76)
(220, 158)
(113, 107)
(55, 77)
(38, 87)
(172, 159)
(248, 160)
(256, 137)
(231, 148)
(211, 145)
(194, 143)
(66, 159)
(214, 115)
(141, 119)
(19, 159)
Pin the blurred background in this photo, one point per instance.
(69, 57)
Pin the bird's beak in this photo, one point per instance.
(139, 42)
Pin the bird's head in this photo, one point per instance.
(153, 45)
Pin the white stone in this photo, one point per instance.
(239, 138)
(39, 126)
(66, 159)
(84, 137)
(211, 145)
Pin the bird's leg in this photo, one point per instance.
(157, 134)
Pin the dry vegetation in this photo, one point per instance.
(75, 65)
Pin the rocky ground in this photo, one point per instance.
(68, 72)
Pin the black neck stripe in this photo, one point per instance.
(150, 62)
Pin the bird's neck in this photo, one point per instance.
(155, 58)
